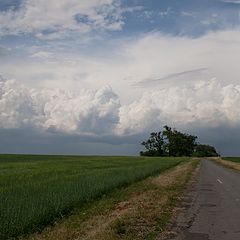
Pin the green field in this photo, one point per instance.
(232, 159)
(37, 189)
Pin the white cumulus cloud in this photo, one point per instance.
(55, 18)
(81, 112)
(206, 103)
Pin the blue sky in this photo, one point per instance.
(174, 17)
(103, 73)
(192, 18)
(187, 17)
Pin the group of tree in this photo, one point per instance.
(171, 142)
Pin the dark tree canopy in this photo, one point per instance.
(205, 151)
(171, 142)
(154, 145)
(177, 143)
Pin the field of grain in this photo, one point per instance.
(232, 159)
(37, 189)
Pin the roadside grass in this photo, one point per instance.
(232, 159)
(139, 211)
(37, 190)
(230, 162)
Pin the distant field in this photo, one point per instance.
(232, 159)
(36, 189)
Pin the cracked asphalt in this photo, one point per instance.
(211, 209)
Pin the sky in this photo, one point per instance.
(97, 76)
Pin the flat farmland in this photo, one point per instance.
(37, 189)
(232, 159)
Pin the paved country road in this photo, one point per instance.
(212, 207)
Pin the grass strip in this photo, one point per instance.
(38, 190)
(139, 211)
(229, 162)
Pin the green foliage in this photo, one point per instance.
(177, 143)
(205, 151)
(154, 145)
(120, 227)
(35, 190)
(171, 142)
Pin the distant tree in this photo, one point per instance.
(171, 142)
(202, 150)
(177, 143)
(154, 145)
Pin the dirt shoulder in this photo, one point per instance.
(226, 163)
(140, 211)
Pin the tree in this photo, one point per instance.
(177, 143)
(154, 145)
(171, 142)
(202, 150)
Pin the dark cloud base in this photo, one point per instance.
(32, 142)
(225, 139)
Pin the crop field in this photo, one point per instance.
(232, 159)
(37, 189)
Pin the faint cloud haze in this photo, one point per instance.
(169, 77)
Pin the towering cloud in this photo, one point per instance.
(80, 112)
(99, 112)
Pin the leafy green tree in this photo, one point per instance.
(177, 143)
(154, 145)
(202, 150)
(171, 142)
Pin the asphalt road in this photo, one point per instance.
(211, 210)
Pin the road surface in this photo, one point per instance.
(211, 210)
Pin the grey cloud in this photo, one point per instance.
(146, 82)
(231, 1)
(225, 138)
(36, 142)
(4, 51)
(94, 121)
(100, 113)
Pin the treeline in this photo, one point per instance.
(171, 142)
